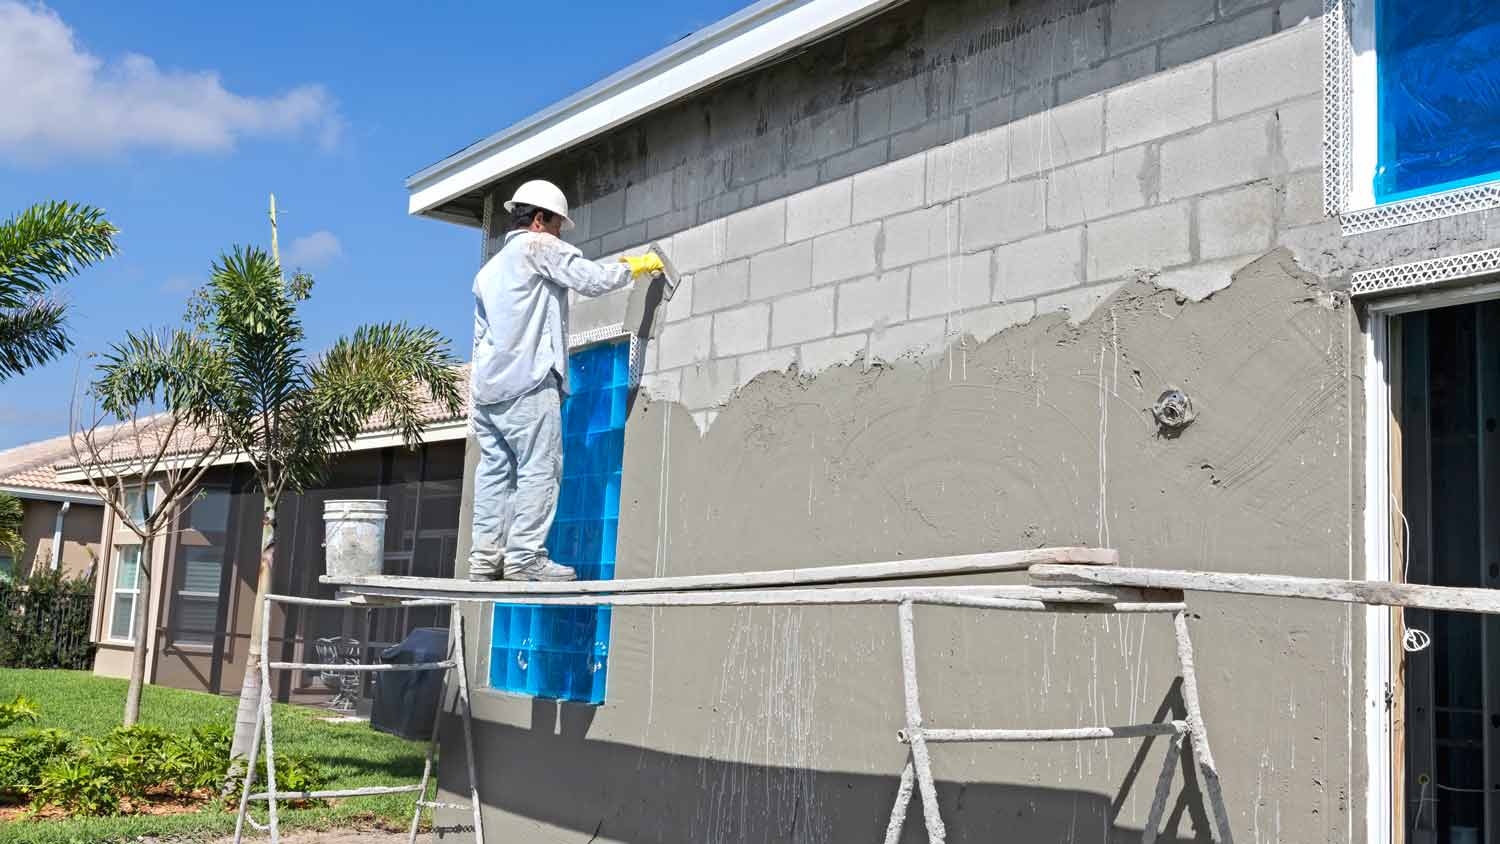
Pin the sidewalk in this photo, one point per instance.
(336, 837)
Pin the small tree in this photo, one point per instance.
(284, 411)
(145, 467)
(40, 248)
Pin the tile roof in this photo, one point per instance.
(188, 440)
(31, 466)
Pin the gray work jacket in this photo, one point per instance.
(521, 312)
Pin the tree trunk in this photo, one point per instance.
(244, 722)
(138, 626)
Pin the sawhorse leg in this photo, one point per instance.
(919, 764)
(1198, 734)
(459, 657)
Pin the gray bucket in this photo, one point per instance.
(354, 538)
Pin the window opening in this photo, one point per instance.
(202, 552)
(126, 592)
(562, 653)
(1438, 89)
(1447, 403)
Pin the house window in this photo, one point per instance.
(1437, 67)
(136, 501)
(7, 567)
(201, 560)
(1418, 136)
(562, 653)
(126, 593)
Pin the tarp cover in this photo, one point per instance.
(1439, 67)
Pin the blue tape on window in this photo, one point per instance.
(562, 653)
(1439, 90)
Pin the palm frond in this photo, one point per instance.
(249, 298)
(389, 369)
(11, 513)
(47, 243)
(185, 371)
(30, 335)
(250, 312)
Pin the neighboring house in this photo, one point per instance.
(944, 256)
(61, 521)
(203, 570)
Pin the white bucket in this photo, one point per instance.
(354, 538)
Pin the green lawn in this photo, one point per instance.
(353, 754)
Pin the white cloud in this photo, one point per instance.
(180, 284)
(57, 99)
(314, 250)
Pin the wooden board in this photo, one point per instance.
(1017, 598)
(999, 561)
(1374, 593)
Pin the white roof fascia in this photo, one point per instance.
(734, 44)
(50, 494)
(456, 429)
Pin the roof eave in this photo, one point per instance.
(37, 494)
(737, 43)
(433, 432)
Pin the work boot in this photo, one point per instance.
(484, 576)
(541, 569)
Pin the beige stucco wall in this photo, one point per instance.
(82, 527)
(113, 656)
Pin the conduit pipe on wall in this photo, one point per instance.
(57, 534)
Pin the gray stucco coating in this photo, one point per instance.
(779, 725)
(939, 267)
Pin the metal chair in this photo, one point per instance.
(339, 650)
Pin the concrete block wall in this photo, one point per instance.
(1181, 177)
(937, 218)
(918, 76)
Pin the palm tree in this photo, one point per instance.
(40, 248)
(10, 526)
(240, 371)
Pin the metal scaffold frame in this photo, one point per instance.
(856, 585)
(917, 735)
(1065, 580)
(263, 726)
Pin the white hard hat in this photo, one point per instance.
(545, 195)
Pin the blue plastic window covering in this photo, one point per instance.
(562, 653)
(1439, 95)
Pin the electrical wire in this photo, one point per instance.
(1412, 639)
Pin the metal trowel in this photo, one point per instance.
(646, 300)
(668, 272)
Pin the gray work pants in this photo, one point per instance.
(516, 483)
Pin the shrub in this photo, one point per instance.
(83, 785)
(137, 757)
(44, 622)
(98, 775)
(22, 758)
(200, 760)
(297, 772)
(21, 709)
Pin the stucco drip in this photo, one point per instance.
(1041, 435)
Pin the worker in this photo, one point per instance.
(520, 376)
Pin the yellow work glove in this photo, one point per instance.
(642, 264)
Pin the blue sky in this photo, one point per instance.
(179, 118)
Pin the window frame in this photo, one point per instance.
(125, 538)
(180, 562)
(1351, 139)
(578, 342)
(1418, 286)
(115, 591)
